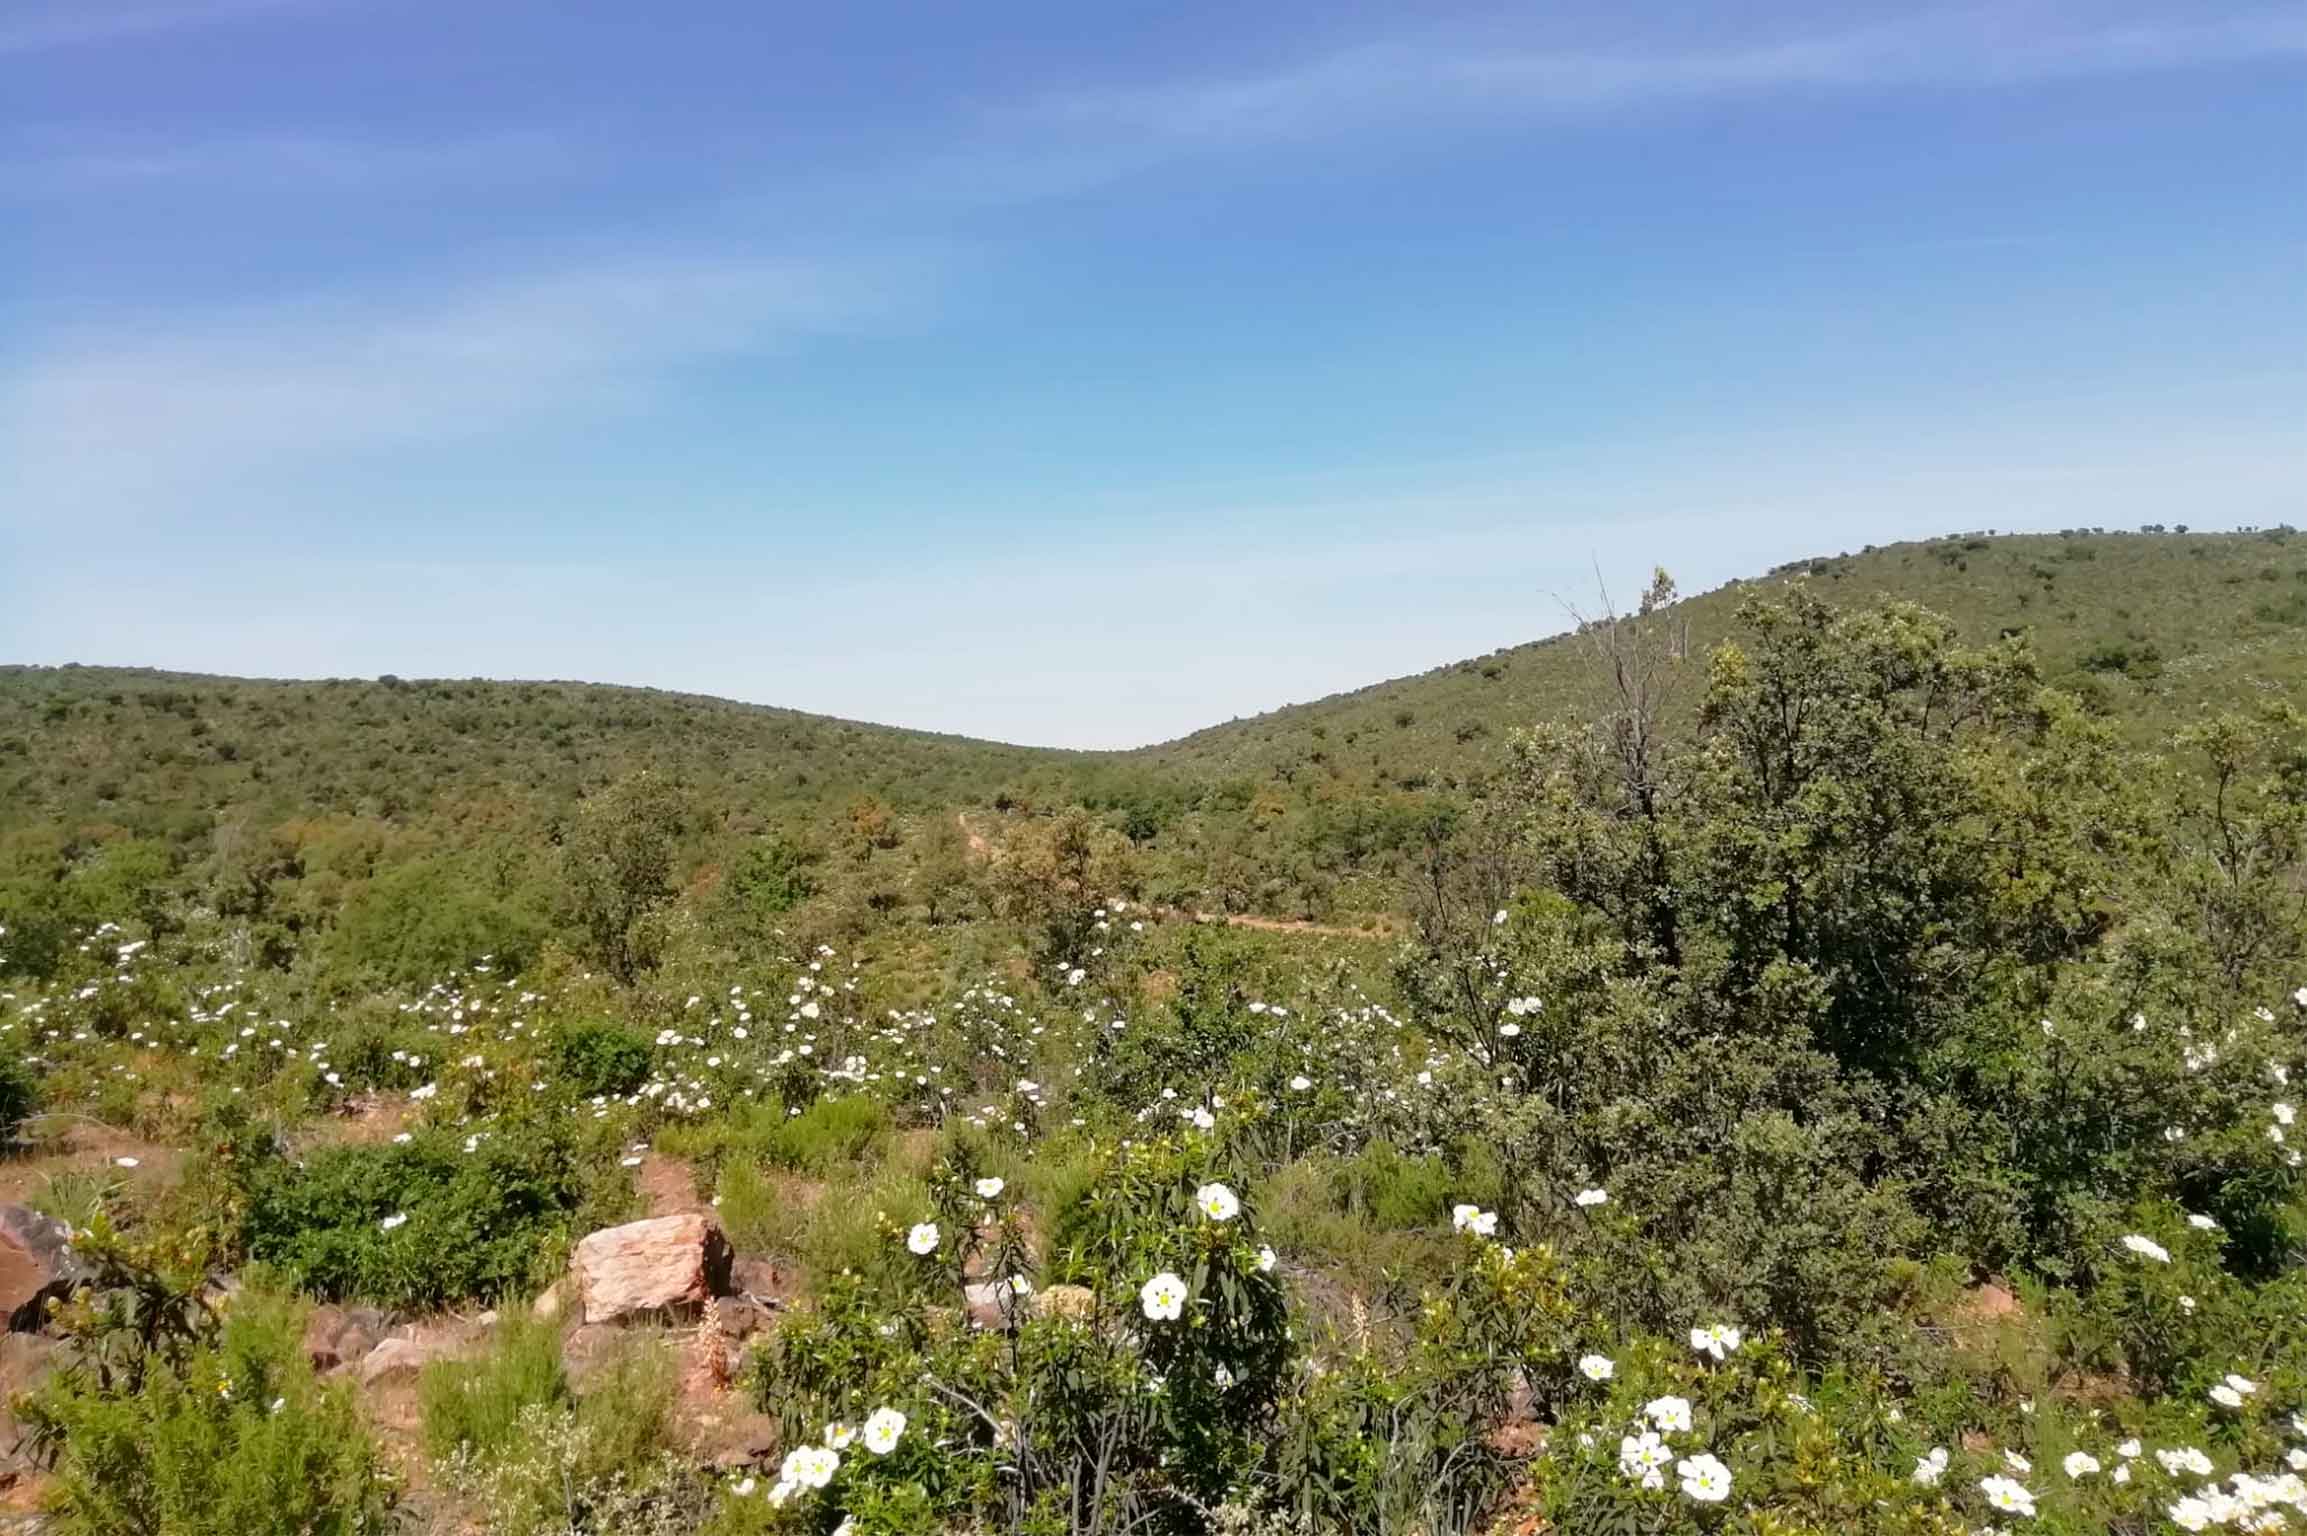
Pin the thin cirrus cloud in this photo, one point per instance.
(86, 417)
(102, 419)
(81, 25)
(1102, 655)
(69, 164)
(1978, 48)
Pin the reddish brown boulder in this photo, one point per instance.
(335, 1336)
(26, 1359)
(35, 1263)
(740, 1317)
(399, 1360)
(588, 1346)
(665, 1264)
(758, 1278)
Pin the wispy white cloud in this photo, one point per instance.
(1971, 48)
(1115, 638)
(87, 22)
(98, 419)
(71, 161)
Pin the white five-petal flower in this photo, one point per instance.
(1217, 1202)
(1163, 1297)
(883, 1429)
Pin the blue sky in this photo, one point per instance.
(1087, 374)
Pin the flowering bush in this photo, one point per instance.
(1875, 1111)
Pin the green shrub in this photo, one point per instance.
(1304, 1219)
(769, 878)
(1393, 1192)
(426, 1223)
(476, 1405)
(756, 1216)
(829, 1137)
(232, 1438)
(425, 919)
(601, 1059)
(74, 1196)
(505, 1431)
(851, 1225)
(2138, 659)
(1144, 1415)
(626, 1405)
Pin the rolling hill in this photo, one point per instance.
(2154, 628)
(1304, 811)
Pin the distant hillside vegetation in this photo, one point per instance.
(112, 744)
(305, 805)
(2155, 628)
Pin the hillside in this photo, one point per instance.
(2154, 628)
(1894, 1106)
(277, 796)
(112, 744)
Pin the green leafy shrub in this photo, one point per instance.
(428, 918)
(751, 1210)
(426, 1223)
(75, 1196)
(1148, 1404)
(830, 1136)
(596, 1059)
(834, 1136)
(1393, 1192)
(770, 878)
(231, 1436)
(1841, 986)
(847, 1228)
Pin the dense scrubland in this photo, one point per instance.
(302, 807)
(1821, 1056)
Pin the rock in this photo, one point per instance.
(1990, 1303)
(36, 1263)
(740, 1317)
(1517, 1441)
(1521, 1401)
(997, 1303)
(335, 1336)
(743, 1440)
(589, 1346)
(26, 1359)
(397, 1360)
(758, 1278)
(666, 1263)
(1078, 1302)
